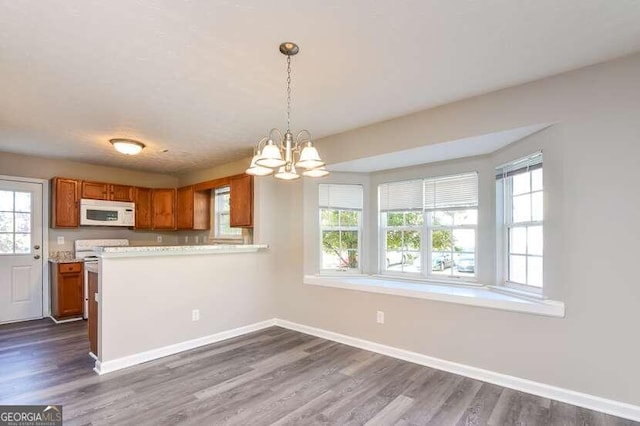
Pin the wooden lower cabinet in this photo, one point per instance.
(67, 282)
(93, 312)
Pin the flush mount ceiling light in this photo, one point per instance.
(281, 153)
(127, 146)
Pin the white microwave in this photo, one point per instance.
(107, 213)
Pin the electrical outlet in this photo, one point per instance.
(186, 238)
(195, 315)
(159, 238)
(380, 317)
(60, 241)
(197, 239)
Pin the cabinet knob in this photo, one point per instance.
(36, 247)
(37, 256)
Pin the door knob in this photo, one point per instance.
(36, 247)
(37, 256)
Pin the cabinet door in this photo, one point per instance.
(93, 312)
(201, 210)
(64, 203)
(241, 201)
(185, 207)
(70, 290)
(95, 190)
(121, 193)
(142, 199)
(163, 208)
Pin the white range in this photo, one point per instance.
(87, 250)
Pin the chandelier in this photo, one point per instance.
(281, 153)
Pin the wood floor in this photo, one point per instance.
(274, 376)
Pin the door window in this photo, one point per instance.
(15, 222)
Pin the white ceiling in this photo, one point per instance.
(204, 78)
(461, 148)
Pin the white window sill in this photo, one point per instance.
(483, 296)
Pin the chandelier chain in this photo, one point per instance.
(288, 93)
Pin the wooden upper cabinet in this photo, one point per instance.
(241, 201)
(106, 191)
(163, 208)
(142, 199)
(64, 203)
(193, 208)
(121, 192)
(185, 207)
(95, 190)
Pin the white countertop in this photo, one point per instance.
(141, 251)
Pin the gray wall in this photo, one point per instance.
(591, 237)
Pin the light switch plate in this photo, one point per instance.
(159, 238)
(60, 240)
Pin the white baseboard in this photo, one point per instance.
(65, 320)
(596, 403)
(135, 359)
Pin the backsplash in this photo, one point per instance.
(137, 238)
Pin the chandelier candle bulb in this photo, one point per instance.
(280, 151)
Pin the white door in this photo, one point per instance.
(20, 250)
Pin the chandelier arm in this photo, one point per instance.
(300, 140)
(259, 145)
(280, 136)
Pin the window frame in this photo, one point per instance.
(358, 228)
(507, 224)
(383, 227)
(340, 229)
(430, 228)
(217, 212)
(14, 224)
(426, 241)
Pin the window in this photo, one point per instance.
(340, 209)
(15, 222)
(520, 184)
(222, 217)
(430, 222)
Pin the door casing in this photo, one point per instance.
(46, 297)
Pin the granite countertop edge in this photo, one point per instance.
(113, 252)
(54, 260)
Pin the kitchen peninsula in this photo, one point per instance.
(159, 300)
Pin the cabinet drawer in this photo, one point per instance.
(67, 268)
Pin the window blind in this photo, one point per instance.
(340, 196)
(451, 192)
(522, 165)
(447, 192)
(405, 195)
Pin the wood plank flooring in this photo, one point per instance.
(274, 376)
